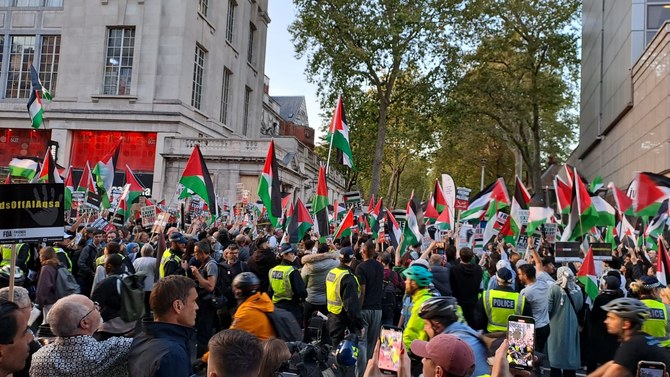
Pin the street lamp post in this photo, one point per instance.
(481, 185)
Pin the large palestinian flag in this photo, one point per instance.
(563, 195)
(104, 174)
(587, 276)
(493, 198)
(320, 205)
(394, 229)
(301, 222)
(519, 205)
(268, 188)
(411, 230)
(197, 179)
(338, 135)
(48, 173)
(136, 188)
(624, 204)
(583, 214)
(344, 230)
(652, 190)
(69, 188)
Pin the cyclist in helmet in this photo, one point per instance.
(625, 318)
(417, 280)
(440, 316)
(250, 315)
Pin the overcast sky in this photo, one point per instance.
(286, 72)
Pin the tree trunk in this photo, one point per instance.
(534, 169)
(390, 189)
(379, 146)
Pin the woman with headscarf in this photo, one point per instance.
(565, 305)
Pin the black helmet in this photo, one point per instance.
(439, 307)
(247, 282)
(629, 309)
(19, 277)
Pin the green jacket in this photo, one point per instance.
(414, 328)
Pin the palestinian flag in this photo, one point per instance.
(363, 225)
(624, 229)
(336, 210)
(624, 204)
(431, 214)
(587, 276)
(538, 216)
(35, 109)
(563, 195)
(338, 135)
(519, 206)
(69, 188)
(269, 188)
(23, 167)
(606, 213)
(652, 190)
(373, 218)
(609, 236)
(48, 173)
(104, 174)
(394, 228)
(596, 184)
(495, 195)
(197, 179)
(288, 215)
(443, 221)
(86, 182)
(662, 264)
(344, 230)
(411, 230)
(286, 204)
(438, 201)
(136, 188)
(583, 214)
(301, 222)
(507, 233)
(657, 224)
(320, 205)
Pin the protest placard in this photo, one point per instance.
(148, 216)
(161, 222)
(31, 212)
(549, 230)
(567, 252)
(462, 198)
(601, 250)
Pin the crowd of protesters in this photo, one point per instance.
(208, 299)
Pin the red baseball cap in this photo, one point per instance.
(449, 352)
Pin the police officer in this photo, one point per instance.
(22, 256)
(497, 304)
(171, 263)
(647, 289)
(287, 288)
(342, 291)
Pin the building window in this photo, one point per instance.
(203, 6)
(230, 21)
(21, 55)
(252, 37)
(657, 14)
(119, 61)
(225, 95)
(49, 56)
(198, 75)
(31, 3)
(27, 3)
(247, 104)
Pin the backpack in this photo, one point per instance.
(223, 296)
(388, 297)
(66, 284)
(131, 290)
(285, 325)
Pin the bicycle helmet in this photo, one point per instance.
(19, 277)
(247, 282)
(419, 274)
(628, 308)
(347, 351)
(439, 307)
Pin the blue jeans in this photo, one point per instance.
(372, 322)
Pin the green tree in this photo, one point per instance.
(367, 45)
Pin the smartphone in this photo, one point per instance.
(650, 369)
(521, 342)
(389, 349)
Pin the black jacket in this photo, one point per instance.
(441, 279)
(86, 261)
(350, 300)
(260, 263)
(161, 350)
(106, 293)
(465, 281)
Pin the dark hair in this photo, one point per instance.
(450, 251)
(113, 247)
(233, 246)
(345, 241)
(323, 248)
(204, 247)
(387, 258)
(528, 270)
(614, 264)
(167, 290)
(309, 244)
(466, 254)
(235, 353)
(9, 320)
(115, 261)
(369, 249)
(202, 235)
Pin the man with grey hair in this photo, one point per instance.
(74, 319)
(22, 300)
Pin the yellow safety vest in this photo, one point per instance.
(657, 323)
(334, 289)
(499, 305)
(7, 254)
(168, 255)
(280, 283)
(59, 250)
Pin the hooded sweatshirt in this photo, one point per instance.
(465, 281)
(314, 271)
(251, 316)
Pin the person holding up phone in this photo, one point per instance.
(625, 318)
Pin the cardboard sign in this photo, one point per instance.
(549, 230)
(161, 222)
(400, 217)
(465, 235)
(32, 212)
(522, 241)
(462, 198)
(99, 223)
(523, 216)
(352, 199)
(478, 241)
(601, 250)
(567, 252)
(148, 216)
(93, 200)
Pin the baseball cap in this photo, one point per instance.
(286, 248)
(346, 253)
(504, 274)
(449, 352)
(177, 237)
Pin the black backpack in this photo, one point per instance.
(388, 296)
(223, 292)
(285, 325)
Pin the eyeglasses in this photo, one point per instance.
(96, 306)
